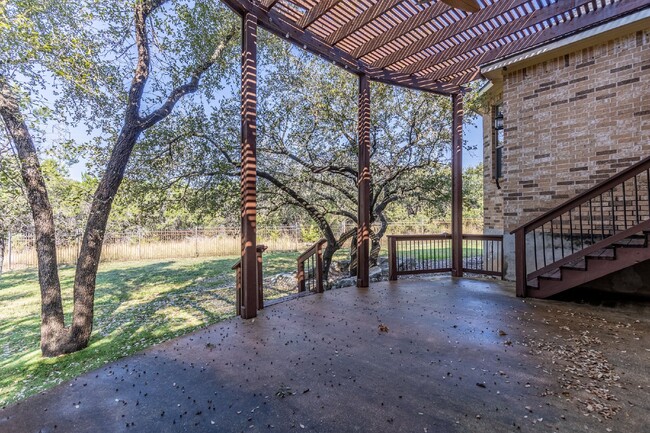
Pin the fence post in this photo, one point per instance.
(196, 241)
(9, 249)
(77, 250)
(139, 243)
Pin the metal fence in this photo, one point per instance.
(140, 244)
(432, 253)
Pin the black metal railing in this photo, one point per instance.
(483, 254)
(310, 268)
(426, 254)
(611, 211)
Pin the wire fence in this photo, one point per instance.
(140, 244)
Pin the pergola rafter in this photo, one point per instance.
(582, 18)
(404, 27)
(316, 12)
(470, 42)
(362, 19)
(277, 21)
(428, 46)
(420, 45)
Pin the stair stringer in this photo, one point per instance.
(624, 258)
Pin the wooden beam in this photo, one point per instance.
(457, 186)
(249, 167)
(363, 138)
(466, 5)
(535, 17)
(590, 19)
(269, 3)
(321, 8)
(279, 25)
(411, 23)
(458, 27)
(467, 77)
(362, 19)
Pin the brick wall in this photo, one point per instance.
(570, 122)
(492, 197)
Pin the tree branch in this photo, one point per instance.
(189, 87)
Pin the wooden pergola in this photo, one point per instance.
(423, 45)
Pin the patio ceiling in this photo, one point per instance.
(426, 45)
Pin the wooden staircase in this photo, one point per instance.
(603, 230)
(592, 266)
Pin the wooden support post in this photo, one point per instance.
(363, 137)
(260, 277)
(301, 276)
(457, 186)
(249, 275)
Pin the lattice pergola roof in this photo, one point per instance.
(426, 45)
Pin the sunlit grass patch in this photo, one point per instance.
(137, 305)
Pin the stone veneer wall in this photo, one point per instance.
(570, 122)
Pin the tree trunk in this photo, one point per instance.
(3, 237)
(91, 244)
(52, 325)
(375, 248)
(353, 256)
(55, 338)
(328, 254)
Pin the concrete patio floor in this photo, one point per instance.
(417, 355)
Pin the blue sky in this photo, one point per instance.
(473, 133)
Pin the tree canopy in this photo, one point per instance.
(154, 85)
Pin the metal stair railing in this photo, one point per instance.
(614, 209)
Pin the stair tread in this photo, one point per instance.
(632, 242)
(604, 254)
(552, 275)
(580, 265)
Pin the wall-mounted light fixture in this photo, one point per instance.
(498, 121)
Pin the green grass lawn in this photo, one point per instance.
(436, 253)
(137, 304)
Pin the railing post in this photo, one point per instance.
(319, 268)
(260, 277)
(237, 269)
(392, 258)
(301, 276)
(520, 263)
(502, 258)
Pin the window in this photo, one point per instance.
(497, 141)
